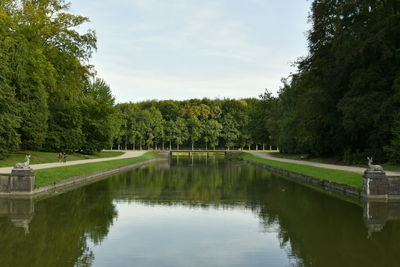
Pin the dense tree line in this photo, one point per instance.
(344, 99)
(49, 98)
(196, 123)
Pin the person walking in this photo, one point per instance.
(60, 157)
(64, 157)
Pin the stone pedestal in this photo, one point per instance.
(22, 180)
(375, 184)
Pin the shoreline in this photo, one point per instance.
(350, 193)
(77, 181)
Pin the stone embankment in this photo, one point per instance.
(324, 185)
(21, 182)
(377, 184)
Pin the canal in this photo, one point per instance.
(194, 212)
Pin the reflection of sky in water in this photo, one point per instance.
(146, 235)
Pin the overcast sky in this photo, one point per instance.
(181, 49)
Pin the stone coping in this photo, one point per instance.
(77, 181)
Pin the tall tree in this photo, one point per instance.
(98, 114)
(212, 131)
(230, 132)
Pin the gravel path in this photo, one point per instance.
(127, 154)
(268, 155)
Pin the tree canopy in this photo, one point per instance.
(47, 87)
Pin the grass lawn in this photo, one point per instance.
(391, 167)
(386, 166)
(50, 175)
(48, 157)
(342, 177)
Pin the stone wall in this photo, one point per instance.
(328, 186)
(4, 182)
(378, 185)
(19, 180)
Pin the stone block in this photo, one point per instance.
(394, 186)
(22, 180)
(375, 184)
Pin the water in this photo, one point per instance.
(196, 213)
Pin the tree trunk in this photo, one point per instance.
(263, 146)
(206, 145)
(140, 147)
(170, 145)
(163, 145)
(256, 147)
(249, 147)
(192, 146)
(177, 146)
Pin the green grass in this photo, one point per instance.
(335, 160)
(338, 176)
(51, 175)
(391, 167)
(48, 157)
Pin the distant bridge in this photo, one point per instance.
(208, 151)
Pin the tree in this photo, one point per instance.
(169, 132)
(230, 131)
(393, 149)
(98, 115)
(194, 129)
(212, 131)
(180, 132)
(9, 119)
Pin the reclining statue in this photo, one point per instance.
(372, 167)
(23, 165)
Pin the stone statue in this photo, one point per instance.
(23, 165)
(372, 167)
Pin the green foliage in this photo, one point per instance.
(230, 132)
(98, 113)
(212, 131)
(193, 123)
(180, 131)
(45, 84)
(343, 100)
(394, 148)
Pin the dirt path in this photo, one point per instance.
(127, 154)
(270, 156)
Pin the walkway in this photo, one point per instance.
(127, 154)
(267, 155)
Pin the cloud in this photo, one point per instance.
(186, 48)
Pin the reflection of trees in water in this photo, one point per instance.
(314, 228)
(60, 230)
(324, 231)
(219, 184)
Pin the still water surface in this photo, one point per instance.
(211, 212)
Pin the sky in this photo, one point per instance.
(182, 49)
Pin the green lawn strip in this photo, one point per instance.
(391, 167)
(38, 157)
(51, 175)
(338, 176)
